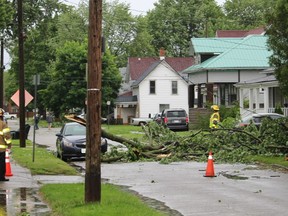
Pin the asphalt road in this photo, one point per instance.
(237, 190)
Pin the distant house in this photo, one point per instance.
(220, 63)
(152, 84)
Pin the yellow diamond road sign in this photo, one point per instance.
(28, 98)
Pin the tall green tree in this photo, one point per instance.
(173, 23)
(246, 14)
(119, 29)
(278, 42)
(39, 18)
(6, 14)
(67, 86)
(111, 81)
(141, 45)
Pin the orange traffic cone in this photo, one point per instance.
(210, 166)
(8, 165)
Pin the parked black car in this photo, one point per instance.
(71, 141)
(175, 119)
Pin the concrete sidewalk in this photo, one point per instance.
(20, 193)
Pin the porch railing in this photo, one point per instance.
(284, 110)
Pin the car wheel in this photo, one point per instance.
(58, 155)
(63, 158)
(142, 123)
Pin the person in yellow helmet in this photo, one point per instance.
(215, 117)
(5, 142)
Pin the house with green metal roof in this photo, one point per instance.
(220, 64)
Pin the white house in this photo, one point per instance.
(157, 84)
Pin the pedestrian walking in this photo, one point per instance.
(49, 120)
(37, 117)
(5, 142)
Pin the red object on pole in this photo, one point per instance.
(8, 165)
(210, 166)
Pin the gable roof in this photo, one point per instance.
(137, 66)
(249, 52)
(151, 68)
(239, 33)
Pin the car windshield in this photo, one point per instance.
(176, 114)
(72, 130)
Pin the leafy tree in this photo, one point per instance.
(246, 14)
(111, 80)
(173, 23)
(39, 18)
(119, 29)
(37, 56)
(67, 88)
(141, 46)
(68, 85)
(6, 14)
(278, 42)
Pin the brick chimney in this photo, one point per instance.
(162, 53)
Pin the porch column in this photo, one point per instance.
(251, 99)
(241, 101)
(266, 99)
(256, 95)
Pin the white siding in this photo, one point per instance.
(197, 78)
(163, 75)
(224, 76)
(250, 75)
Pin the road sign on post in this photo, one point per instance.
(28, 98)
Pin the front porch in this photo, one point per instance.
(261, 96)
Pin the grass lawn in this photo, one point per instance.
(126, 131)
(68, 200)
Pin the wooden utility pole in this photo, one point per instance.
(21, 75)
(93, 144)
(1, 75)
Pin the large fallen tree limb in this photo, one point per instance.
(162, 143)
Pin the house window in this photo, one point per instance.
(174, 87)
(152, 86)
(163, 106)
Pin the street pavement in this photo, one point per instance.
(180, 187)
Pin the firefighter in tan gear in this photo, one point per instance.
(5, 142)
(215, 117)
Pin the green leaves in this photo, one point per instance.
(278, 42)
